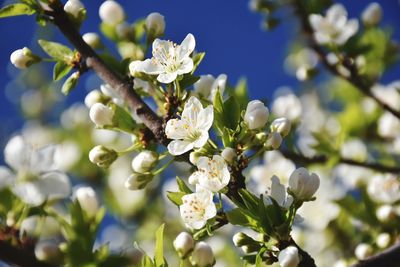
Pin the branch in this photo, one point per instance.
(355, 79)
(388, 258)
(19, 256)
(320, 159)
(108, 75)
(306, 259)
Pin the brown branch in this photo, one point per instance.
(321, 159)
(306, 259)
(363, 85)
(387, 258)
(19, 256)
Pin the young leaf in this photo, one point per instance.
(182, 186)
(176, 197)
(57, 51)
(159, 250)
(16, 10)
(197, 58)
(70, 83)
(60, 70)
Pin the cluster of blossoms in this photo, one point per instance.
(200, 253)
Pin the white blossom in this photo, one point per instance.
(92, 39)
(202, 255)
(212, 174)
(92, 98)
(22, 58)
(36, 178)
(281, 126)
(207, 86)
(155, 23)
(363, 251)
(274, 140)
(388, 125)
(101, 115)
(372, 14)
(144, 85)
(191, 130)
(302, 184)
(111, 12)
(73, 7)
(385, 189)
(386, 213)
(301, 63)
(289, 257)
(102, 156)
(48, 251)
(144, 161)
(383, 240)
(228, 154)
(107, 90)
(287, 105)
(87, 199)
(334, 27)
(197, 208)
(256, 115)
(354, 149)
(279, 194)
(183, 244)
(169, 59)
(137, 181)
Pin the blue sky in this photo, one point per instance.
(226, 30)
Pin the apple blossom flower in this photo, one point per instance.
(87, 199)
(183, 244)
(92, 98)
(302, 184)
(228, 154)
(274, 140)
(111, 12)
(372, 14)
(279, 194)
(202, 255)
(144, 161)
(92, 39)
(137, 181)
(73, 7)
(212, 174)
(23, 58)
(363, 251)
(102, 156)
(155, 24)
(197, 208)
(301, 63)
(383, 240)
(207, 86)
(334, 27)
(354, 149)
(287, 105)
(169, 60)
(191, 131)
(101, 115)
(384, 189)
(289, 257)
(281, 126)
(36, 178)
(388, 125)
(108, 91)
(256, 115)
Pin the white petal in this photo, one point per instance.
(43, 159)
(336, 12)
(348, 31)
(203, 86)
(6, 177)
(186, 66)
(178, 147)
(201, 140)
(194, 178)
(205, 118)
(176, 129)
(150, 67)
(167, 77)
(55, 185)
(17, 153)
(278, 191)
(187, 46)
(29, 193)
(315, 21)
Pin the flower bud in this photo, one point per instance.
(144, 161)
(101, 115)
(274, 140)
(289, 257)
(48, 251)
(228, 154)
(385, 213)
(92, 39)
(74, 7)
(372, 14)
(256, 115)
(281, 125)
(241, 239)
(111, 12)
(383, 240)
(183, 244)
(202, 255)
(23, 58)
(93, 97)
(87, 199)
(363, 251)
(302, 184)
(102, 156)
(137, 181)
(155, 24)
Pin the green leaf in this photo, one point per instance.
(176, 197)
(70, 83)
(159, 250)
(57, 51)
(238, 217)
(197, 58)
(182, 186)
(241, 93)
(265, 220)
(231, 113)
(188, 80)
(147, 262)
(16, 10)
(60, 70)
(122, 120)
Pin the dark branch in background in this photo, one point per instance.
(321, 159)
(19, 256)
(355, 79)
(387, 258)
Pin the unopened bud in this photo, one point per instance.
(302, 184)
(372, 14)
(144, 161)
(256, 115)
(183, 244)
(202, 255)
(48, 251)
(102, 156)
(92, 39)
(74, 8)
(87, 199)
(93, 97)
(137, 181)
(289, 257)
(101, 115)
(228, 154)
(383, 240)
(385, 213)
(281, 125)
(111, 12)
(155, 24)
(23, 58)
(363, 251)
(274, 140)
